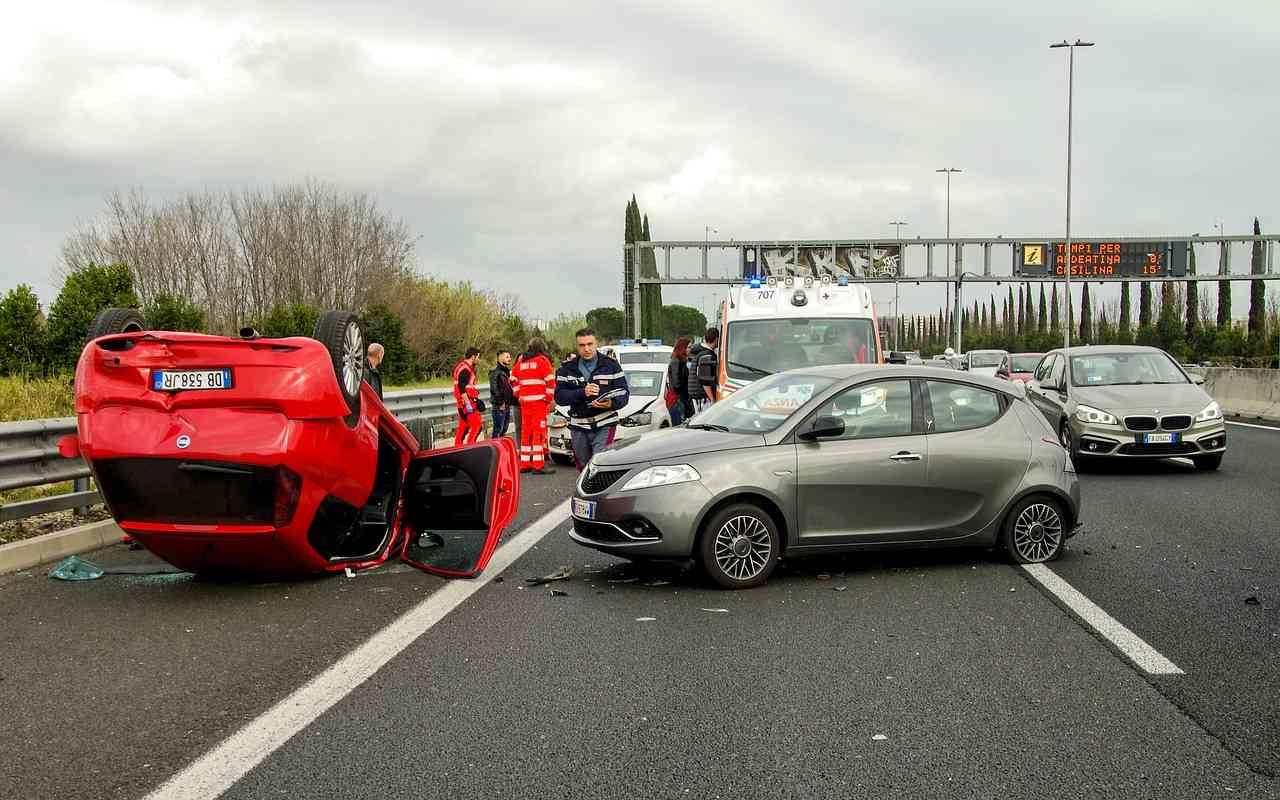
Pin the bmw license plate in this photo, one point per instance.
(584, 509)
(175, 380)
(1158, 438)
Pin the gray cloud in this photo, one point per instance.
(510, 135)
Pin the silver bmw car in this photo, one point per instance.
(833, 459)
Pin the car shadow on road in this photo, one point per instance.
(1138, 467)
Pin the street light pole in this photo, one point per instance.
(897, 321)
(948, 171)
(1071, 68)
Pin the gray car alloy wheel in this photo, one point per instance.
(352, 358)
(1037, 533)
(743, 547)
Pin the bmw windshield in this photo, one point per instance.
(764, 346)
(1125, 369)
(762, 406)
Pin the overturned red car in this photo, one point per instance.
(222, 453)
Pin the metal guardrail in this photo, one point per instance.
(29, 450)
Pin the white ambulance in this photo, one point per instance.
(793, 322)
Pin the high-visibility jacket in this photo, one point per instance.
(533, 379)
(464, 385)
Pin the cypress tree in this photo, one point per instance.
(1257, 291)
(1055, 319)
(1224, 302)
(1022, 314)
(1010, 320)
(629, 236)
(1086, 315)
(1031, 311)
(1192, 314)
(1144, 305)
(651, 295)
(1126, 324)
(1042, 319)
(992, 323)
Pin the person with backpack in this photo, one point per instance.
(679, 405)
(704, 371)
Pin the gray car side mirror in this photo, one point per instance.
(824, 428)
(1198, 380)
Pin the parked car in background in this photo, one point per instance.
(643, 413)
(1126, 401)
(831, 459)
(1018, 366)
(221, 453)
(647, 351)
(984, 362)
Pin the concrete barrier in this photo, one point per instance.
(28, 553)
(1247, 393)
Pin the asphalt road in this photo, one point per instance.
(979, 682)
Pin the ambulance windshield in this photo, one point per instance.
(760, 347)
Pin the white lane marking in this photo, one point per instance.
(1139, 652)
(1251, 425)
(216, 771)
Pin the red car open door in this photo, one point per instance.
(457, 503)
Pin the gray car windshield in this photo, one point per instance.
(1125, 369)
(764, 405)
(759, 347)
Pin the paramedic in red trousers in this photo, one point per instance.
(534, 381)
(467, 395)
(594, 387)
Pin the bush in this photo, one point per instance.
(381, 325)
(169, 313)
(86, 292)
(22, 342)
(36, 398)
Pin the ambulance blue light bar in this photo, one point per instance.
(755, 283)
(843, 281)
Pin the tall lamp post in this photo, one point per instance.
(1071, 68)
(897, 321)
(948, 172)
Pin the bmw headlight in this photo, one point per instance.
(1094, 415)
(662, 476)
(1211, 412)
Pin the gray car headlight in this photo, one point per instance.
(1094, 415)
(662, 476)
(1211, 412)
(638, 420)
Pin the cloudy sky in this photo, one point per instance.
(510, 135)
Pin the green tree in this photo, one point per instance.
(1191, 318)
(22, 343)
(651, 294)
(86, 291)
(1010, 318)
(383, 326)
(296, 319)
(992, 319)
(678, 320)
(607, 322)
(1169, 331)
(1144, 305)
(1224, 302)
(1125, 334)
(1042, 318)
(1055, 318)
(1257, 297)
(1106, 331)
(1086, 315)
(167, 312)
(1021, 328)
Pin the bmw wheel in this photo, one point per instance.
(740, 546)
(342, 336)
(1034, 531)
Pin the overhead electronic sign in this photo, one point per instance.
(1103, 260)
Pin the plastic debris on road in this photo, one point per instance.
(646, 619)
(565, 572)
(75, 568)
(839, 588)
(879, 737)
(717, 610)
(351, 573)
(559, 593)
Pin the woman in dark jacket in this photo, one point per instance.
(678, 383)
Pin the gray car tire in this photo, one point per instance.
(740, 546)
(1034, 531)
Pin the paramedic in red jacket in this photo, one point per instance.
(467, 395)
(534, 380)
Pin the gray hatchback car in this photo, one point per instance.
(834, 459)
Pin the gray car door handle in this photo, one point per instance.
(905, 456)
